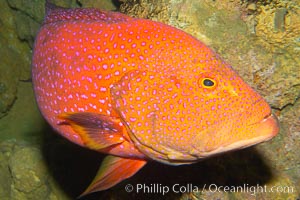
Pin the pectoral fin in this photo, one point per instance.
(112, 171)
(97, 131)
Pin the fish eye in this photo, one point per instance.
(208, 83)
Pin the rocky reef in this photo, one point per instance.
(260, 39)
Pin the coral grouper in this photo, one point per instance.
(140, 90)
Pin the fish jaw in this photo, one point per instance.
(266, 129)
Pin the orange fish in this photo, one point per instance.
(140, 90)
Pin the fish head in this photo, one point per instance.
(200, 109)
(231, 115)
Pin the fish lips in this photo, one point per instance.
(266, 129)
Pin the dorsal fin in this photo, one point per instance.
(56, 13)
(49, 8)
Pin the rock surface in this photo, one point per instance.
(260, 39)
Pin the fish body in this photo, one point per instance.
(141, 90)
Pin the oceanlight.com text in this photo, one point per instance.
(157, 188)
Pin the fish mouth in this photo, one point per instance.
(267, 128)
(267, 116)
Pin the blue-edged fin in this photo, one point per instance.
(112, 171)
(96, 131)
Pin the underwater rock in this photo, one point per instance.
(278, 31)
(24, 173)
(5, 177)
(287, 157)
(29, 175)
(15, 59)
(23, 121)
(101, 4)
(260, 39)
(27, 18)
(8, 84)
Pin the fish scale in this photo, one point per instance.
(140, 90)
